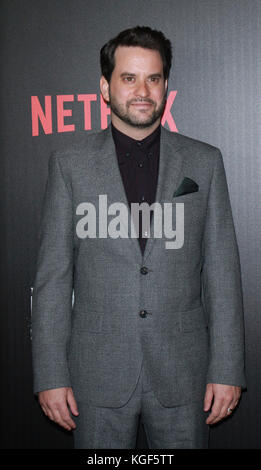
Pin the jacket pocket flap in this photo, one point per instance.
(193, 319)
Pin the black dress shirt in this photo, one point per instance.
(139, 164)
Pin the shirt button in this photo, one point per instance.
(139, 144)
(143, 198)
(140, 165)
(127, 154)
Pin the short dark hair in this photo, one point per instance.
(139, 36)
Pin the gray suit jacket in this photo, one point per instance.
(193, 333)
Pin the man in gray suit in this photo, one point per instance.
(156, 329)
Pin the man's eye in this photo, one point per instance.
(128, 79)
(154, 79)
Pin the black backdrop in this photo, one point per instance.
(50, 51)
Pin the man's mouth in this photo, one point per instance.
(141, 104)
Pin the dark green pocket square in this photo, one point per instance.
(187, 186)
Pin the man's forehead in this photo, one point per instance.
(132, 53)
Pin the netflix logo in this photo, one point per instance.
(43, 114)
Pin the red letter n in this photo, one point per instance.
(39, 115)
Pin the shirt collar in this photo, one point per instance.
(127, 144)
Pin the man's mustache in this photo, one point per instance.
(141, 101)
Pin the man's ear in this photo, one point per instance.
(104, 87)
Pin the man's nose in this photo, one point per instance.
(142, 89)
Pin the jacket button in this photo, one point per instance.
(143, 313)
(144, 270)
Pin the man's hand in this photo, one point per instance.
(225, 397)
(55, 403)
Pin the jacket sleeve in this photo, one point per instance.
(53, 283)
(221, 285)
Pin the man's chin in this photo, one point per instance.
(142, 123)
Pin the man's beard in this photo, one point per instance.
(133, 120)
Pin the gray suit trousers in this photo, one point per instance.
(178, 427)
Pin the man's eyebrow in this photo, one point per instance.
(156, 75)
(123, 74)
(128, 73)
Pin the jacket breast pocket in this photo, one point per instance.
(188, 197)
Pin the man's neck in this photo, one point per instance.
(134, 132)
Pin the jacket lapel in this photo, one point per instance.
(170, 170)
(170, 167)
(113, 186)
